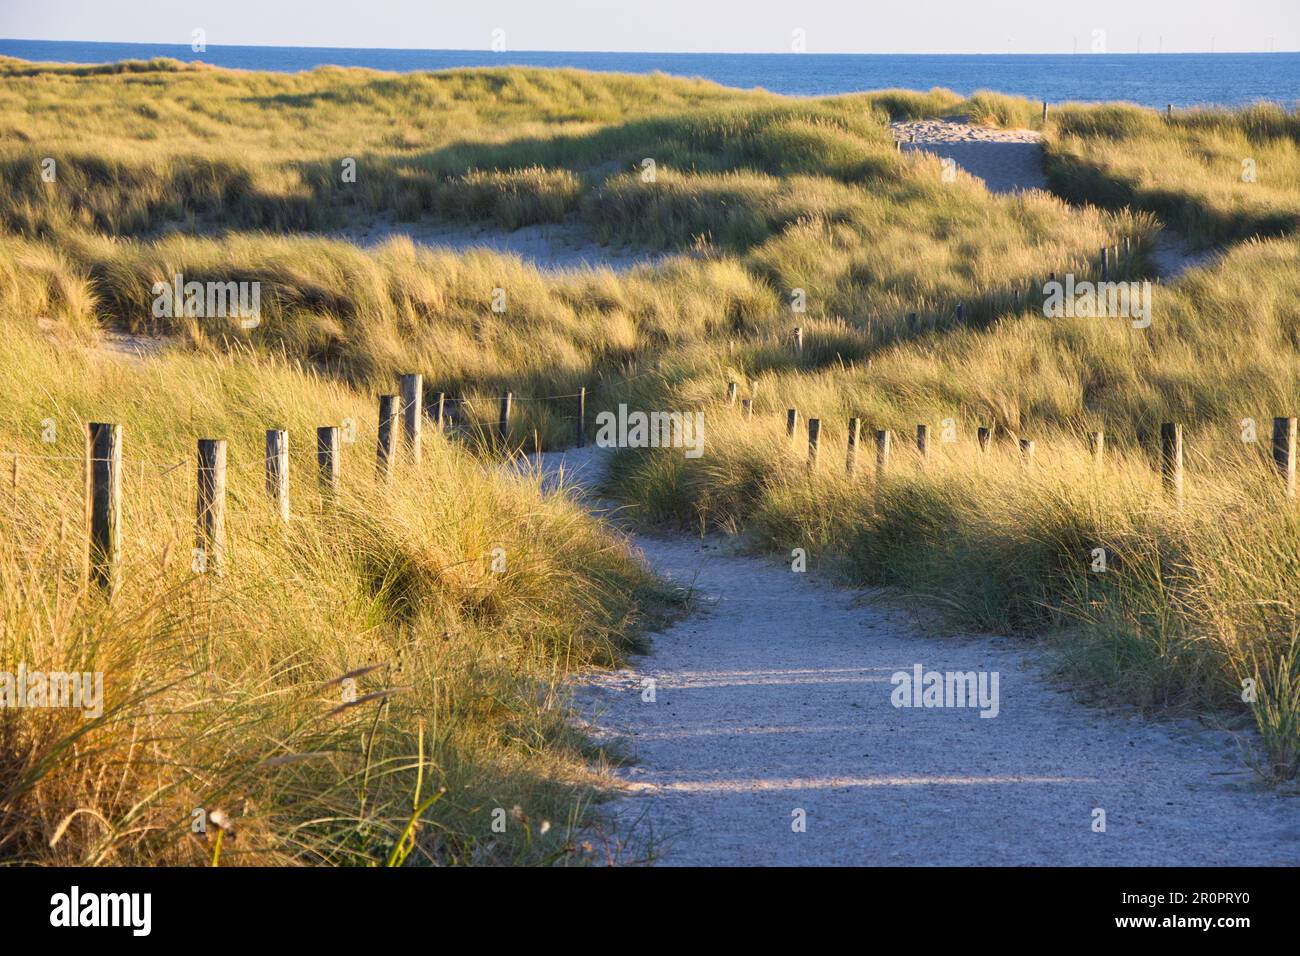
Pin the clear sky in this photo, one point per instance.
(718, 26)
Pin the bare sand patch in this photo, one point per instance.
(1007, 160)
(554, 247)
(773, 704)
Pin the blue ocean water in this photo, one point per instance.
(1183, 79)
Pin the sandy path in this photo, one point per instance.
(557, 247)
(1010, 161)
(775, 697)
(1007, 160)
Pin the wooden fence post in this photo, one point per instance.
(731, 393)
(440, 411)
(104, 504)
(412, 389)
(1171, 459)
(581, 424)
(210, 530)
(1044, 111)
(747, 408)
(1097, 446)
(923, 441)
(1284, 451)
(386, 452)
(851, 450)
(814, 434)
(882, 451)
(1027, 451)
(503, 422)
(984, 436)
(277, 470)
(327, 459)
(1105, 262)
(791, 422)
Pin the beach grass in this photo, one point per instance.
(919, 300)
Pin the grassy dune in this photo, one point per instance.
(775, 213)
(1184, 610)
(226, 692)
(1214, 175)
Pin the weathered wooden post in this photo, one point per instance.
(882, 451)
(1105, 262)
(747, 408)
(386, 452)
(791, 422)
(104, 504)
(923, 441)
(440, 411)
(277, 470)
(1171, 459)
(851, 450)
(412, 390)
(731, 393)
(503, 420)
(210, 530)
(1284, 451)
(327, 459)
(1044, 111)
(1027, 451)
(581, 424)
(1097, 447)
(984, 437)
(814, 434)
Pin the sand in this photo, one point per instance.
(1007, 160)
(559, 247)
(775, 699)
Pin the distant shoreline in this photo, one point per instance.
(1149, 78)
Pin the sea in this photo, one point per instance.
(1149, 79)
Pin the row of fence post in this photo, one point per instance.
(104, 467)
(401, 418)
(1284, 452)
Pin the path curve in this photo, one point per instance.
(775, 697)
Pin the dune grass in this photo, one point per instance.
(1185, 610)
(1214, 175)
(776, 213)
(342, 671)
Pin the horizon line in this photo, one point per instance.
(503, 53)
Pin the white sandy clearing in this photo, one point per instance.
(1007, 160)
(561, 246)
(775, 697)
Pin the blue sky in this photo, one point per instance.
(723, 26)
